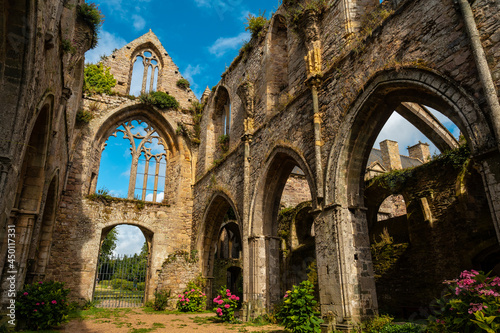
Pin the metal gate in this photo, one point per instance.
(120, 281)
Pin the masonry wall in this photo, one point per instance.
(81, 222)
(412, 41)
(36, 78)
(447, 234)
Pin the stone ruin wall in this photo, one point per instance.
(121, 64)
(420, 36)
(448, 229)
(81, 221)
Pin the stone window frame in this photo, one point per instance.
(147, 63)
(137, 150)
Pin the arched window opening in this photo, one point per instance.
(411, 202)
(146, 156)
(277, 72)
(121, 275)
(144, 73)
(222, 113)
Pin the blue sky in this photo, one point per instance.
(202, 37)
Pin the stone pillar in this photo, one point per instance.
(390, 155)
(345, 273)
(420, 151)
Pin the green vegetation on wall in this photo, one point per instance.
(160, 99)
(91, 15)
(97, 79)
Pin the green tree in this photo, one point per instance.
(109, 243)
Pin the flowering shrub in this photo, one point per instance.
(472, 305)
(226, 305)
(43, 305)
(299, 310)
(192, 299)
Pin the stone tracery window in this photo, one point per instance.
(145, 72)
(149, 160)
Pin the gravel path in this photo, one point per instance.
(137, 321)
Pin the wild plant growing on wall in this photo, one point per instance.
(183, 83)
(160, 99)
(472, 304)
(91, 15)
(97, 79)
(256, 24)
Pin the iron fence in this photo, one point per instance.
(120, 281)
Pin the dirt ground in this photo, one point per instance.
(138, 321)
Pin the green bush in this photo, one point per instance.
(127, 285)
(192, 299)
(159, 99)
(405, 328)
(97, 79)
(161, 300)
(92, 16)
(299, 310)
(183, 83)
(42, 305)
(256, 24)
(227, 304)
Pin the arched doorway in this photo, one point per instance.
(122, 274)
(268, 238)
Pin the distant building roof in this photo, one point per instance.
(406, 161)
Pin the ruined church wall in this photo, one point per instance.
(39, 82)
(80, 221)
(446, 234)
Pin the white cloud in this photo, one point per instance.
(139, 22)
(191, 71)
(107, 43)
(159, 197)
(224, 44)
(399, 129)
(130, 240)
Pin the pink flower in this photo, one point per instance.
(203, 294)
(237, 298)
(192, 289)
(43, 303)
(25, 293)
(37, 304)
(54, 302)
(180, 295)
(233, 297)
(286, 295)
(40, 282)
(228, 291)
(227, 306)
(228, 294)
(35, 310)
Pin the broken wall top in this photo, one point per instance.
(121, 64)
